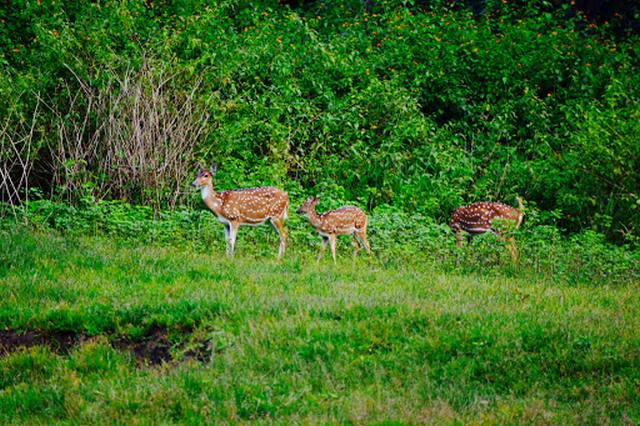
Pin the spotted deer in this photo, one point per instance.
(250, 206)
(347, 220)
(477, 218)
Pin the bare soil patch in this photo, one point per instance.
(151, 349)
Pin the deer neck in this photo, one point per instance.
(314, 217)
(211, 199)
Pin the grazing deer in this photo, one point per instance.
(348, 220)
(251, 206)
(477, 219)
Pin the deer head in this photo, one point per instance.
(204, 177)
(308, 205)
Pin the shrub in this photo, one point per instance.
(421, 107)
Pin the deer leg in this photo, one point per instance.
(332, 246)
(278, 225)
(233, 234)
(325, 240)
(356, 245)
(227, 237)
(511, 245)
(363, 238)
(458, 236)
(512, 248)
(469, 237)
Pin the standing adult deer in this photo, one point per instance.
(477, 218)
(251, 206)
(348, 220)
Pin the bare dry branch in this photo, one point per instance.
(16, 156)
(133, 138)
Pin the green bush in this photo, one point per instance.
(393, 104)
(397, 239)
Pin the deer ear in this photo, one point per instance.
(200, 168)
(213, 169)
(317, 198)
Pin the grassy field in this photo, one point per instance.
(123, 333)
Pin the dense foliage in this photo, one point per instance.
(379, 103)
(117, 304)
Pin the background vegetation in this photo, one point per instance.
(117, 304)
(420, 106)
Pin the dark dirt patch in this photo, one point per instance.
(151, 349)
(58, 341)
(154, 348)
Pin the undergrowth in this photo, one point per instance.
(397, 239)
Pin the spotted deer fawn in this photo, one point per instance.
(348, 220)
(477, 218)
(251, 206)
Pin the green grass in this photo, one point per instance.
(370, 340)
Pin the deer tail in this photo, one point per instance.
(520, 209)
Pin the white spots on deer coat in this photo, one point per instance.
(342, 221)
(251, 206)
(477, 217)
(348, 220)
